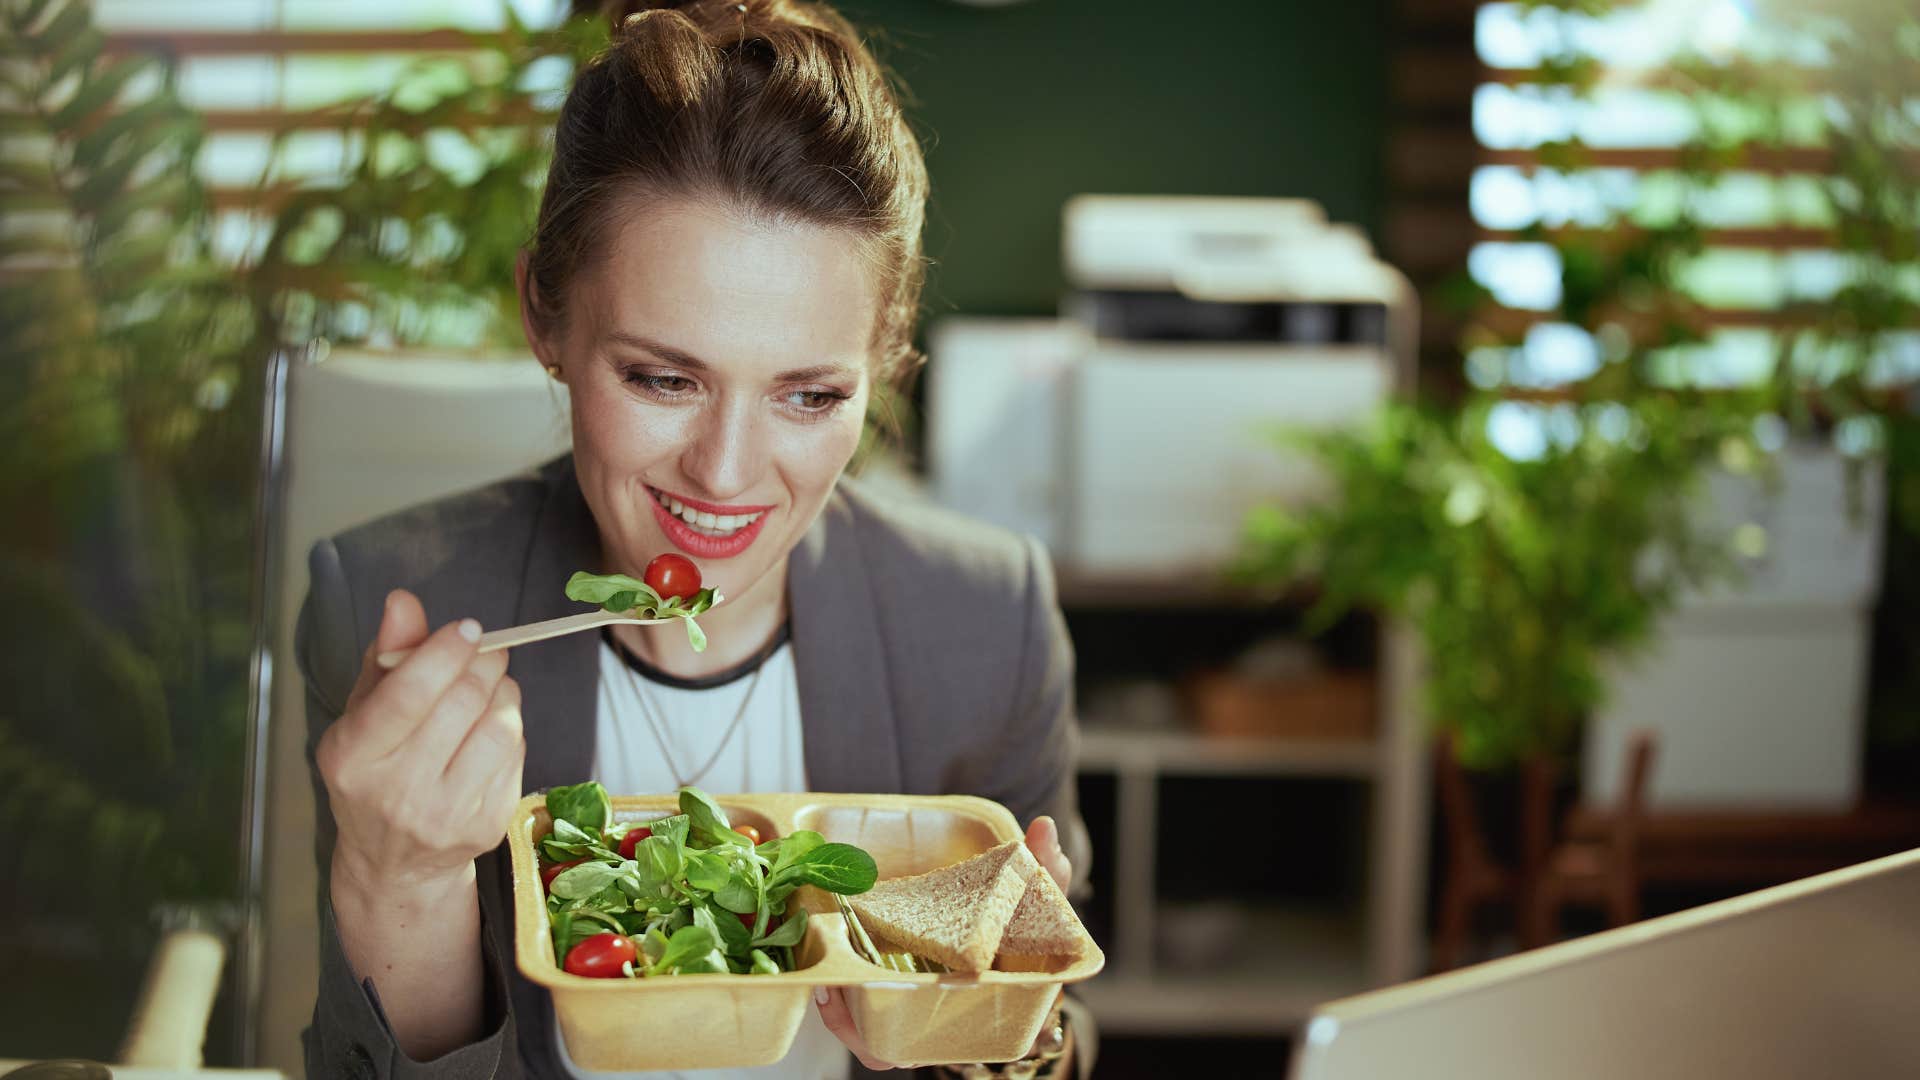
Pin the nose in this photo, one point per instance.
(728, 451)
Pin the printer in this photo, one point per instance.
(1133, 433)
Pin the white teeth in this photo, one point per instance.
(706, 523)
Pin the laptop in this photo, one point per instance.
(1814, 979)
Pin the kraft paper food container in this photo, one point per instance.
(725, 1021)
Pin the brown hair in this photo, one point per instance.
(775, 106)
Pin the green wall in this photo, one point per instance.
(1024, 106)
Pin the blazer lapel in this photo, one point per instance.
(846, 700)
(559, 678)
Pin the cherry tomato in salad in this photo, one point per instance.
(547, 874)
(746, 920)
(631, 842)
(601, 956)
(749, 832)
(672, 575)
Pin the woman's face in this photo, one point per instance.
(719, 369)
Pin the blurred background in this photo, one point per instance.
(1477, 443)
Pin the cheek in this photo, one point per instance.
(608, 430)
(813, 456)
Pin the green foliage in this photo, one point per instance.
(417, 243)
(1522, 578)
(1525, 579)
(125, 552)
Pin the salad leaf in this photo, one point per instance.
(584, 806)
(682, 948)
(624, 595)
(763, 964)
(583, 881)
(794, 845)
(615, 592)
(787, 933)
(837, 868)
(653, 946)
(566, 842)
(603, 918)
(674, 827)
(738, 895)
(727, 929)
(562, 936)
(714, 962)
(709, 823)
(708, 870)
(660, 863)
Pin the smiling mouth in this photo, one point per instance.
(705, 523)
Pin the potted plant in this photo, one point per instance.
(1523, 562)
(1838, 398)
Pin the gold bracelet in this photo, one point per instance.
(1039, 1063)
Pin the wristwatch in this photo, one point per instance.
(1041, 1063)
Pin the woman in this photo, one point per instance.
(726, 265)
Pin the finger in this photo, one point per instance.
(494, 815)
(403, 625)
(1043, 839)
(492, 742)
(432, 745)
(404, 699)
(839, 1020)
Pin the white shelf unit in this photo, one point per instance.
(1286, 960)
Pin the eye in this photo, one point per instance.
(661, 384)
(815, 400)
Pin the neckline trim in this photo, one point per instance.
(655, 674)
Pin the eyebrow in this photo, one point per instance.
(682, 358)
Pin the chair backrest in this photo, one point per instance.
(1628, 815)
(1466, 841)
(366, 435)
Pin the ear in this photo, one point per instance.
(523, 285)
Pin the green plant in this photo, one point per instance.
(124, 556)
(415, 244)
(1522, 576)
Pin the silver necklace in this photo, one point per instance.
(654, 725)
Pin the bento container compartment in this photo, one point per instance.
(727, 1021)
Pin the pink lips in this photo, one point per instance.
(709, 547)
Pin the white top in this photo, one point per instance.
(641, 710)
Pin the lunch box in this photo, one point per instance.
(724, 1021)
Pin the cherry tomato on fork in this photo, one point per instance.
(601, 956)
(672, 575)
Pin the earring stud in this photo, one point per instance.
(554, 371)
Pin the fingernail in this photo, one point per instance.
(819, 995)
(387, 605)
(470, 629)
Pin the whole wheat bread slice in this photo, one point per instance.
(956, 914)
(1043, 925)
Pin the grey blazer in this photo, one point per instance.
(930, 651)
